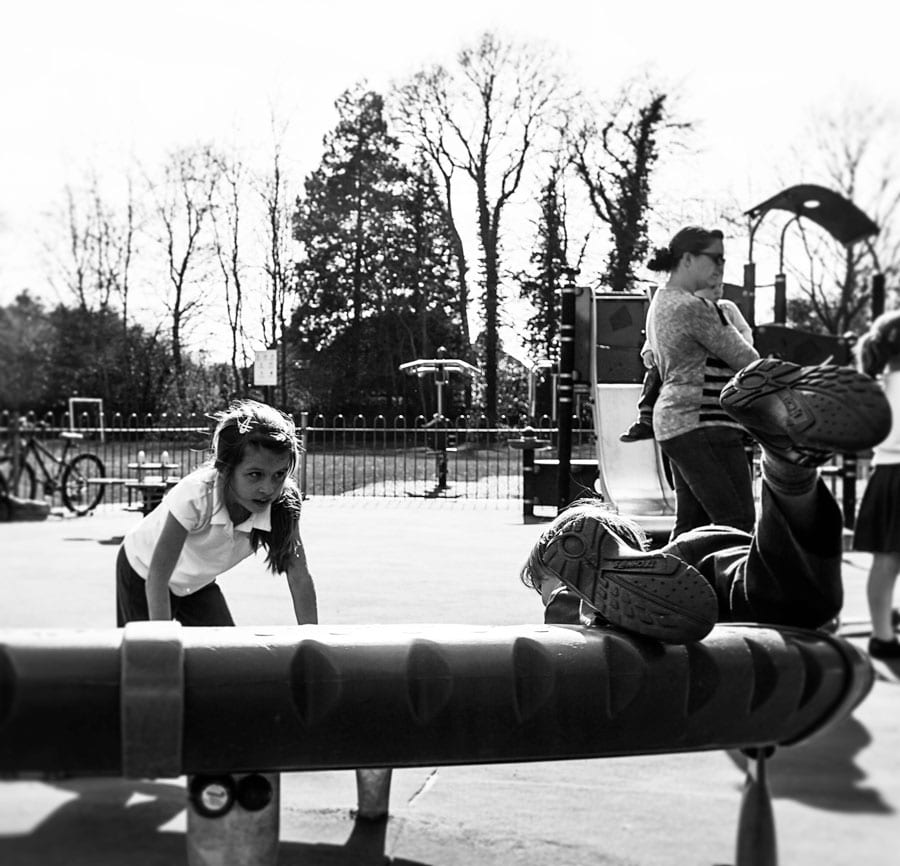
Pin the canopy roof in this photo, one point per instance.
(842, 219)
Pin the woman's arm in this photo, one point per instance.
(302, 587)
(162, 565)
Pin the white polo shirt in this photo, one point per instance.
(213, 544)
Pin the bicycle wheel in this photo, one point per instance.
(26, 486)
(78, 493)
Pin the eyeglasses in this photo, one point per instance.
(715, 258)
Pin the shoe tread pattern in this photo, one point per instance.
(652, 594)
(818, 410)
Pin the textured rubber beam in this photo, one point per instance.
(318, 697)
(152, 699)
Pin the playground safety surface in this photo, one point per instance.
(835, 797)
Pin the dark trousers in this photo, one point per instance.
(712, 480)
(650, 389)
(206, 607)
(774, 575)
(782, 577)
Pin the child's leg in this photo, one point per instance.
(643, 427)
(880, 593)
(649, 395)
(131, 593)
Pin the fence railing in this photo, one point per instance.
(353, 456)
(342, 455)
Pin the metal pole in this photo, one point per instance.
(780, 299)
(304, 438)
(565, 386)
(877, 294)
(750, 291)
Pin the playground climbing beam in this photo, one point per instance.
(157, 700)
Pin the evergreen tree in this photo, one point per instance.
(26, 338)
(541, 286)
(374, 279)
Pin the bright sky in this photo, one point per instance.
(88, 83)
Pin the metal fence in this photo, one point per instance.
(342, 456)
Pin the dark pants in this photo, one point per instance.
(712, 480)
(774, 575)
(207, 606)
(650, 389)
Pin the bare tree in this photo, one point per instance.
(80, 269)
(278, 264)
(614, 155)
(483, 119)
(852, 153)
(184, 204)
(228, 245)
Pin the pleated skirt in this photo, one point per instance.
(878, 519)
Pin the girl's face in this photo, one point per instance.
(547, 587)
(257, 480)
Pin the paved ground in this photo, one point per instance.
(836, 797)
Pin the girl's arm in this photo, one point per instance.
(703, 321)
(736, 317)
(162, 564)
(303, 590)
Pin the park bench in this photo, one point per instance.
(152, 480)
(233, 708)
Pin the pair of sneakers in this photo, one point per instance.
(798, 414)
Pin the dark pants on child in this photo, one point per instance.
(712, 480)
(650, 389)
(773, 575)
(205, 607)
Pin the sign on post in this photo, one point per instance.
(265, 367)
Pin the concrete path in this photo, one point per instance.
(836, 797)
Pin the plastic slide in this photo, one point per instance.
(631, 476)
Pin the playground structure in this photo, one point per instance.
(440, 367)
(233, 708)
(601, 334)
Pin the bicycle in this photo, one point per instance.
(73, 478)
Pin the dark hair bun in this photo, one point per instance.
(661, 260)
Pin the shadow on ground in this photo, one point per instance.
(823, 772)
(111, 821)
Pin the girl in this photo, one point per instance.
(215, 517)
(878, 522)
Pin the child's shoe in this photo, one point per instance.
(884, 649)
(805, 414)
(637, 431)
(653, 594)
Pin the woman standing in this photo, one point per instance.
(697, 350)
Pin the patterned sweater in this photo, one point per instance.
(697, 351)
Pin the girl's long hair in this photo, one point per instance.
(246, 423)
(879, 344)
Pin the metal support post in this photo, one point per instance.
(566, 386)
(233, 819)
(756, 842)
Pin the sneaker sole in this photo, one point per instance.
(827, 408)
(655, 595)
